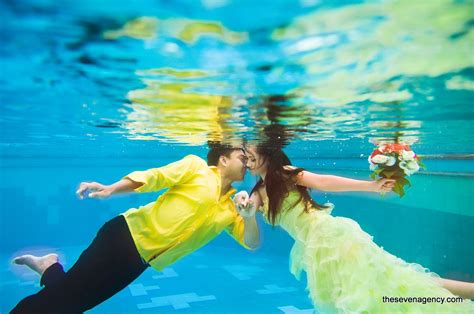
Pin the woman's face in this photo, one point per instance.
(255, 163)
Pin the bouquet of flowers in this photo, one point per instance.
(395, 161)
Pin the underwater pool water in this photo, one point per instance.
(94, 90)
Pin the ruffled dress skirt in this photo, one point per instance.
(348, 273)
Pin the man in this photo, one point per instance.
(195, 209)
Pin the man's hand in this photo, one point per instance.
(244, 204)
(93, 190)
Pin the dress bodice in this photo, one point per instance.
(292, 217)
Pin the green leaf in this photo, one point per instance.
(388, 173)
(398, 189)
(402, 192)
(403, 181)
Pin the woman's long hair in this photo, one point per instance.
(280, 181)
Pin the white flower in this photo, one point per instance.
(372, 165)
(409, 167)
(380, 159)
(391, 161)
(407, 155)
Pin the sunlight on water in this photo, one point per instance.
(189, 31)
(339, 73)
(362, 71)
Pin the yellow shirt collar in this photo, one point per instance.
(218, 174)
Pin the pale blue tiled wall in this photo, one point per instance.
(431, 225)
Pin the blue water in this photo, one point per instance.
(91, 91)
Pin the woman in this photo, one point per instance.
(346, 271)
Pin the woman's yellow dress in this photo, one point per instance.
(348, 273)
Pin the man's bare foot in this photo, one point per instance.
(37, 263)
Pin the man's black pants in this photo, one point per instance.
(109, 264)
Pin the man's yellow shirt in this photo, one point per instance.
(184, 218)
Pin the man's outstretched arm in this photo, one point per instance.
(150, 180)
(97, 190)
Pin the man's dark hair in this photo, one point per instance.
(216, 150)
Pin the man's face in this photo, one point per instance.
(236, 165)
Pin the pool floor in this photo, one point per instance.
(211, 280)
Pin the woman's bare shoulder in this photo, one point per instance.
(262, 195)
(295, 177)
(261, 191)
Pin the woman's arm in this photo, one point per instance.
(251, 232)
(256, 199)
(247, 206)
(331, 183)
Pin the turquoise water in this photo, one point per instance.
(93, 91)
